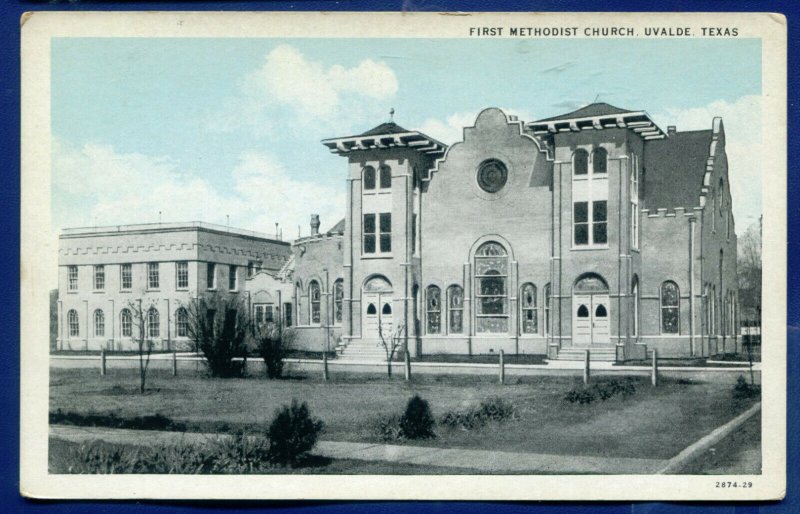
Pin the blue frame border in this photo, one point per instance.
(10, 12)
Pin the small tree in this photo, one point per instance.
(218, 328)
(272, 339)
(292, 433)
(390, 340)
(142, 335)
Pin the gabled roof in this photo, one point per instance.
(338, 228)
(590, 111)
(675, 167)
(385, 128)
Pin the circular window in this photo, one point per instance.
(492, 175)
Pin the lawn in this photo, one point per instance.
(652, 423)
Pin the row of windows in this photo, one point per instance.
(314, 301)
(384, 177)
(152, 323)
(265, 313)
(154, 276)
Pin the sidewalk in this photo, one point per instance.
(482, 461)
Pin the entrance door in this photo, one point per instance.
(377, 312)
(590, 315)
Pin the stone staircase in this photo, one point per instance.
(361, 350)
(596, 353)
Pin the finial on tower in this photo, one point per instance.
(391, 114)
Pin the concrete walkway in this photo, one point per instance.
(482, 461)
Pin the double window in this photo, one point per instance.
(99, 277)
(152, 275)
(263, 313)
(126, 276)
(491, 277)
(377, 233)
(382, 179)
(182, 275)
(590, 198)
(590, 223)
(670, 308)
(72, 278)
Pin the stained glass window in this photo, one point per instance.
(434, 309)
(314, 299)
(491, 274)
(670, 308)
(530, 320)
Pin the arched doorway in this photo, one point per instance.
(377, 305)
(590, 310)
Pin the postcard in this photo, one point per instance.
(463, 256)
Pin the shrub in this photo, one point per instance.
(417, 421)
(272, 341)
(742, 389)
(603, 390)
(218, 327)
(241, 453)
(99, 457)
(292, 433)
(149, 422)
(183, 459)
(388, 428)
(580, 395)
(492, 409)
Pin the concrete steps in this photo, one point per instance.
(361, 351)
(598, 354)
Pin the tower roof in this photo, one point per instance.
(386, 135)
(591, 110)
(389, 127)
(599, 115)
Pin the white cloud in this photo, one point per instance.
(742, 121)
(450, 130)
(97, 185)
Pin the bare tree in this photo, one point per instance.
(218, 327)
(749, 270)
(142, 335)
(391, 341)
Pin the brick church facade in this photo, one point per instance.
(591, 230)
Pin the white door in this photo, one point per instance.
(590, 315)
(377, 312)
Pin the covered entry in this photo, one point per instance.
(590, 311)
(377, 307)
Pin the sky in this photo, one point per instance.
(229, 129)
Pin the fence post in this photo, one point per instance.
(325, 366)
(654, 377)
(502, 367)
(103, 362)
(174, 364)
(408, 365)
(586, 367)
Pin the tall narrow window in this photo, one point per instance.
(600, 222)
(369, 244)
(547, 308)
(338, 297)
(599, 160)
(72, 277)
(634, 194)
(126, 276)
(455, 310)
(314, 301)
(211, 275)
(232, 278)
(182, 272)
(72, 321)
(386, 232)
(414, 234)
(580, 163)
(287, 314)
(635, 299)
(99, 277)
(153, 323)
(434, 309)
(99, 323)
(152, 275)
(491, 296)
(580, 220)
(670, 308)
(126, 323)
(181, 322)
(527, 303)
(386, 177)
(369, 178)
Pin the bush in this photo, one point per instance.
(182, 459)
(99, 457)
(111, 420)
(742, 389)
(218, 328)
(492, 409)
(417, 422)
(241, 453)
(292, 433)
(388, 428)
(580, 395)
(272, 341)
(603, 390)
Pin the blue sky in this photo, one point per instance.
(204, 128)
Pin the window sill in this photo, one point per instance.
(184, 289)
(588, 247)
(377, 256)
(125, 291)
(98, 291)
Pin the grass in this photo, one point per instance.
(684, 363)
(737, 454)
(652, 423)
(482, 359)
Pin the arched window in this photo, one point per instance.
(182, 322)
(670, 308)
(72, 321)
(338, 296)
(387, 309)
(369, 178)
(599, 160)
(99, 323)
(153, 323)
(314, 299)
(721, 195)
(371, 310)
(126, 323)
(455, 309)
(491, 293)
(547, 308)
(433, 297)
(530, 322)
(580, 163)
(635, 309)
(386, 177)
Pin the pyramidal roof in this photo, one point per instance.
(590, 111)
(389, 127)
